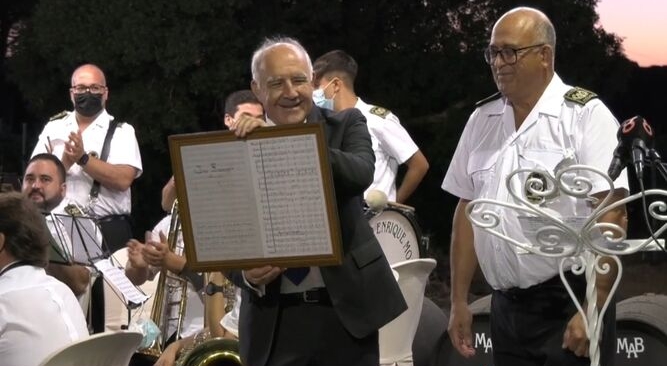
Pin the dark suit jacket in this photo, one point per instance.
(363, 290)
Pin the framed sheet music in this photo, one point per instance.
(264, 199)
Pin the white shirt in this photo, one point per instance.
(491, 147)
(38, 315)
(231, 320)
(123, 150)
(193, 320)
(392, 146)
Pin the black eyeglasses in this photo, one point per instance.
(509, 55)
(95, 89)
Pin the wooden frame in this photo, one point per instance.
(266, 199)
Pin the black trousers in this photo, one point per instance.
(527, 325)
(313, 335)
(116, 231)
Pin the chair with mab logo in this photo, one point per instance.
(102, 349)
(397, 336)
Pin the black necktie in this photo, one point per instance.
(296, 275)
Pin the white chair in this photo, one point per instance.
(102, 349)
(397, 336)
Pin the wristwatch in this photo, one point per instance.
(211, 289)
(83, 160)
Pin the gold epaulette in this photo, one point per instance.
(60, 115)
(579, 95)
(379, 111)
(488, 99)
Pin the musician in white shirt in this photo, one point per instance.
(39, 313)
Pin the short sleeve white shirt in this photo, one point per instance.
(392, 146)
(124, 150)
(490, 148)
(38, 315)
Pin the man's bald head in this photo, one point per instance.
(532, 21)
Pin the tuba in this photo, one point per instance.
(163, 305)
(206, 351)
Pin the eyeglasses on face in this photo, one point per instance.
(95, 89)
(509, 55)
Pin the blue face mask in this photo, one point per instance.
(321, 100)
(149, 329)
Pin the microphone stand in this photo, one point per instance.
(576, 243)
(656, 161)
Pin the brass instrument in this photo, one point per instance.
(162, 303)
(206, 350)
(203, 351)
(229, 293)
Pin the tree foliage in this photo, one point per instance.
(167, 61)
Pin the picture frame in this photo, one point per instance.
(266, 199)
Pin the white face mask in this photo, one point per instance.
(321, 100)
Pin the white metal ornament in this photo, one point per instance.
(579, 241)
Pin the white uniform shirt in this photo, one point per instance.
(491, 147)
(193, 321)
(38, 315)
(230, 321)
(123, 150)
(392, 146)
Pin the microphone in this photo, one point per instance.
(376, 200)
(634, 135)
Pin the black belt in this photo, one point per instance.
(314, 296)
(555, 282)
(110, 218)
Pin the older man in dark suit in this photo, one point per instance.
(328, 315)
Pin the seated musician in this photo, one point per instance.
(44, 184)
(145, 260)
(38, 314)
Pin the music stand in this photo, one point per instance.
(578, 242)
(77, 239)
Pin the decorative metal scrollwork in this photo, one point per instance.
(580, 241)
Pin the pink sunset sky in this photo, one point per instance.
(642, 24)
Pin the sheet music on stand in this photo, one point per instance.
(78, 240)
(130, 294)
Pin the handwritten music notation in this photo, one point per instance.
(258, 198)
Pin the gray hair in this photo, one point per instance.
(546, 32)
(270, 43)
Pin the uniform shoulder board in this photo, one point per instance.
(488, 99)
(579, 95)
(60, 115)
(379, 111)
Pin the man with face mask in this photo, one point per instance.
(335, 72)
(78, 137)
(100, 186)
